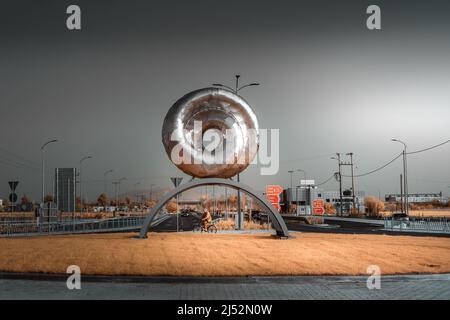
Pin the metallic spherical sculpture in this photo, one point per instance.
(218, 114)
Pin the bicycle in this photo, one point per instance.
(211, 228)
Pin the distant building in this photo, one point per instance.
(416, 197)
(65, 182)
(304, 196)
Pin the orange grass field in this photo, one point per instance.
(189, 254)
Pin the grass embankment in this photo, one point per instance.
(189, 254)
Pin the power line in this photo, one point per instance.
(377, 169)
(310, 158)
(426, 149)
(20, 157)
(385, 165)
(432, 181)
(15, 164)
(332, 176)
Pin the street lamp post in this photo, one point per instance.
(117, 190)
(236, 89)
(81, 190)
(104, 179)
(405, 175)
(151, 191)
(306, 193)
(43, 166)
(135, 191)
(290, 190)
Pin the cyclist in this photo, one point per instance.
(206, 220)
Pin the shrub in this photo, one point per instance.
(329, 208)
(373, 205)
(48, 198)
(314, 220)
(171, 207)
(228, 224)
(102, 200)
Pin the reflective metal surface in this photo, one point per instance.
(218, 114)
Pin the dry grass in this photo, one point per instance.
(230, 225)
(189, 254)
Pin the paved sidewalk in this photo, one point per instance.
(255, 288)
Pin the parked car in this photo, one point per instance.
(402, 218)
(185, 213)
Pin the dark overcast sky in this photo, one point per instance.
(327, 83)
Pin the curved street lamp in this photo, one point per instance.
(81, 192)
(43, 166)
(104, 179)
(236, 90)
(405, 174)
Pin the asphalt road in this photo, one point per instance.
(185, 224)
(346, 227)
(341, 227)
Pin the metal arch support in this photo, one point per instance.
(276, 218)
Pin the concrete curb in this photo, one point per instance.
(215, 279)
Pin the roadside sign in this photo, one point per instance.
(13, 185)
(12, 197)
(319, 210)
(318, 203)
(307, 182)
(176, 181)
(318, 206)
(273, 195)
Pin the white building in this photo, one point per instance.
(416, 197)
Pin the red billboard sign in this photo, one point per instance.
(318, 203)
(273, 195)
(318, 206)
(319, 210)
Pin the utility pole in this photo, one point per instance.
(340, 183)
(340, 164)
(339, 173)
(353, 181)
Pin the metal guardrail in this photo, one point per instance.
(68, 226)
(441, 225)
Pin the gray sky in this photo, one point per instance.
(327, 82)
